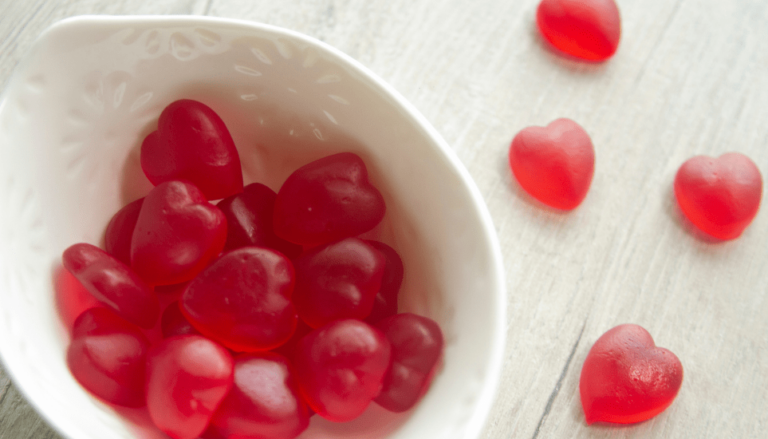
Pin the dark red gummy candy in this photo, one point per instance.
(340, 368)
(174, 323)
(113, 283)
(554, 164)
(107, 356)
(264, 402)
(117, 238)
(243, 300)
(417, 344)
(385, 303)
(177, 234)
(249, 220)
(327, 200)
(337, 281)
(626, 378)
(192, 143)
(586, 29)
(187, 378)
(719, 196)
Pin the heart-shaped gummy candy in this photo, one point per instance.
(626, 378)
(554, 164)
(177, 233)
(719, 196)
(340, 368)
(327, 200)
(192, 143)
(243, 300)
(586, 29)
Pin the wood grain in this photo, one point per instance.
(689, 78)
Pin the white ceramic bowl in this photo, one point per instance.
(71, 122)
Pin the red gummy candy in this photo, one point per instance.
(107, 356)
(187, 378)
(719, 196)
(586, 29)
(626, 378)
(174, 323)
(340, 368)
(337, 281)
(192, 143)
(177, 234)
(554, 164)
(327, 200)
(385, 303)
(417, 344)
(243, 300)
(113, 284)
(249, 220)
(117, 238)
(264, 402)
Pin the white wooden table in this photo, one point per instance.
(690, 77)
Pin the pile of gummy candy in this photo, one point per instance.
(282, 311)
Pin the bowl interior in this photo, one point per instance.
(71, 123)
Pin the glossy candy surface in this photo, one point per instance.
(243, 300)
(340, 368)
(117, 237)
(417, 344)
(337, 281)
(107, 356)
(249, 220)
(385, 303)
(177, 234)
(720, 196)
(327, 200)
(113, 283)
(554, 164)
(586, 29)
(192, 143)
(187, 378)
(264, 402)
(626, 378)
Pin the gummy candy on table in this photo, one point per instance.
(337, 281)
(327, 200)
(417, 345)
(113, 283)
(107, 356)
(554, 164)
(626, 378)
(187, 378)
(586, 29)
(193, 143)
(385, 303)
(264, 401)
(340, 368)
(177, 234)
(117, 238)
(720, 196)
(249, 220)
(243, 300)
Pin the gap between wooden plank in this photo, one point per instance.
(559, 384)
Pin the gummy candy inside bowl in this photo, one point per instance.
(71, 122)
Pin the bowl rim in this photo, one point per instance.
(489, 391)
